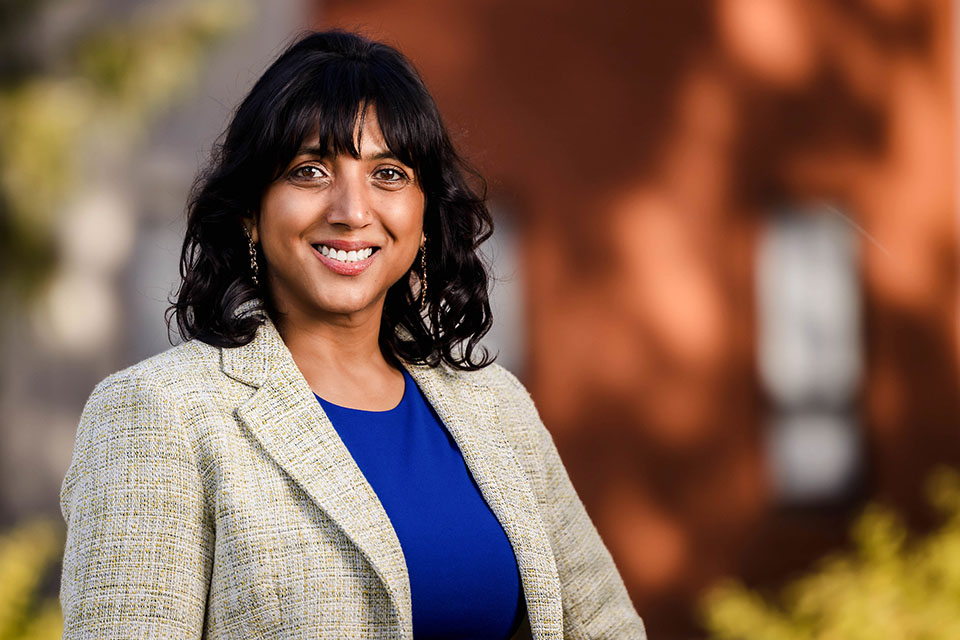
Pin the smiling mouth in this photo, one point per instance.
(345, 257)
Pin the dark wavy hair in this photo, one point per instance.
(322, 83)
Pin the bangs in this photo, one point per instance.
(329, 107)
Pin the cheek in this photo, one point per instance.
(280, 217)
(404, 220)
(414, 233)
(415, 218)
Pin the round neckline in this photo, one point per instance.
(403, 397)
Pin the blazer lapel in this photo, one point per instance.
(285, 417)
(470, 414)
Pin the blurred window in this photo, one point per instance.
(810, 354)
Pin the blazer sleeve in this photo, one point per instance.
(596, 604)
(138, 549)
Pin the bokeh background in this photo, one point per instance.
(727, 248)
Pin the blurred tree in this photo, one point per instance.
(27, 555)
(105, 82)
(888, 587)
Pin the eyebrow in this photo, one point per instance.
(325, 153)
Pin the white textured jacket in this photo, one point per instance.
(209, 496)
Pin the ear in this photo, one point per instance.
(252, 227)
(423, 239)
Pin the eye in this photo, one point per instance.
(391, 174)
(307, 173)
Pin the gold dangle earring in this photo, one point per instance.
(423, 274)
(253, 257)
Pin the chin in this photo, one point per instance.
(343, 305)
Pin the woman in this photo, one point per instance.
(325, 456)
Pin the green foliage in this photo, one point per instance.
(887, 587)
(26, 555)
(100, 92)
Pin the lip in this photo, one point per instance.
(345, 245)
(346, 268)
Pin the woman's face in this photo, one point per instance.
(338, 232)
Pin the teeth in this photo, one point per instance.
(346, 256)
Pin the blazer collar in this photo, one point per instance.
(287, 420)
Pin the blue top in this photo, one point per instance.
(464, 580)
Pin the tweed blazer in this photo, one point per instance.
(209, 496)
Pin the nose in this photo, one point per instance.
(349, 204)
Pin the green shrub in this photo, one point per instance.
(888, 587)
(27, 554)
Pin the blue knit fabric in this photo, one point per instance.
(464, 579)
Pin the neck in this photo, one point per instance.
(339, 353)
(336, 342)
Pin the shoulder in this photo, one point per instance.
(510, 394)
(513, 405)
(136, 415)
(493, 383)
(151, 396)
(494, 378)
(170, 372)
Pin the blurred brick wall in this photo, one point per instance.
(640, 147)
